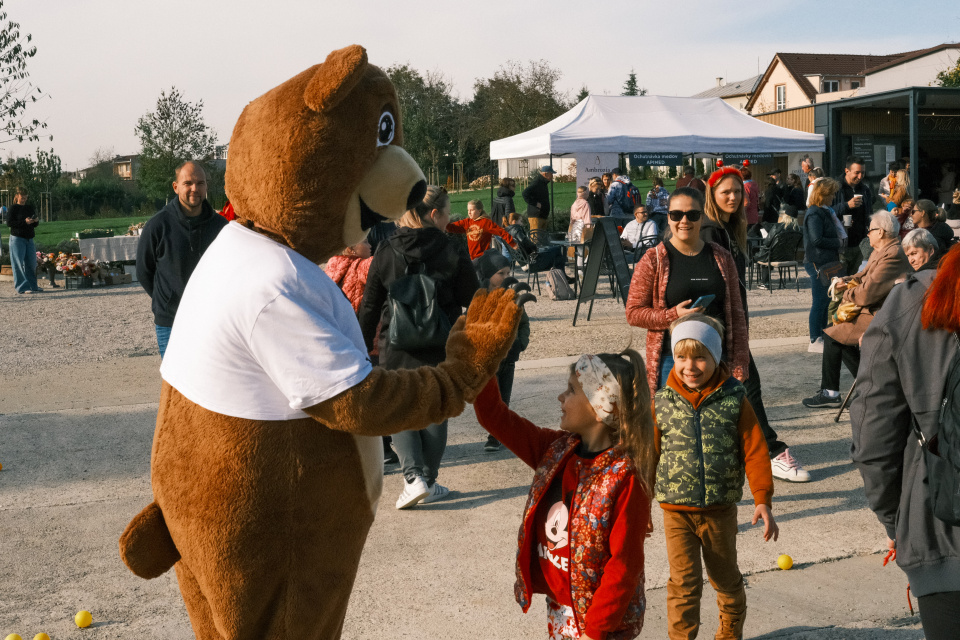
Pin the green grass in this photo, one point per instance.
(50, 234)
(564, 193)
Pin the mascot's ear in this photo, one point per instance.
(336, 77)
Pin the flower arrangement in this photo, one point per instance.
(71, 265)
(44, 258)
(135, 229)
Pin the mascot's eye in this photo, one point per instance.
(385, 129)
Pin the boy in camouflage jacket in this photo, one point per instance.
(707, 439)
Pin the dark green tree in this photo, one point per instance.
(517, 98)
(16, 91)
(429, 113)
(584, 93)
(630, 87)
(172, 134)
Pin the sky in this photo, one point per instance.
(103, 63)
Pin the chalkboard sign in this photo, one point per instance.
(605, 250)
(863, 147)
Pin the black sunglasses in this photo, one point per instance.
(693, 215)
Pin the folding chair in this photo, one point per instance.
(782, 256)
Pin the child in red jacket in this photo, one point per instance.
(479, 229)
(582, 535)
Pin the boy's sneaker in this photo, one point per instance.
(821, 399)
(816, 346)
(437, 492)
(786, 467)
(413, 492)
(492, 445)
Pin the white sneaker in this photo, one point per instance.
(786, 467)
(413, 492)
(816, 346)
(437, 492)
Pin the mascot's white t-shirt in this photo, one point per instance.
(262, 332)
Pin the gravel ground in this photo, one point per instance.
(108, 323)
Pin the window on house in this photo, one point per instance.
(781, 96)
(829, 86)
(854, 84)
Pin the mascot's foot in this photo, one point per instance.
(146, 546)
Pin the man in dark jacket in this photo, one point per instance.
(171, 245)
(773, 197)
(855, 199)
(537, 197)
(902, 375)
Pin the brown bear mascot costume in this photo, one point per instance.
(265, 469)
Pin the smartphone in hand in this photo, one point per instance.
(703, 301)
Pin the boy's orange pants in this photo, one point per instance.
(714, 534)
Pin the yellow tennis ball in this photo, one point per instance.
(784, 562)
(83, 619)
(41, 636)
(13, 636)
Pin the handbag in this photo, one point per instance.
(828, 272)
(847, 312)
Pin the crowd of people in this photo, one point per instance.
(685, 426)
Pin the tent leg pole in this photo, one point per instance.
(550, 213)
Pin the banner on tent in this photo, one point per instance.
(754, 158)
(590, 165)
(655, 160)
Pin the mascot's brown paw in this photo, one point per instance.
(480, 340)
(146, 546)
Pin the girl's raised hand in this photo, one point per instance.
(770, 528)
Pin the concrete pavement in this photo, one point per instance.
(76, 468)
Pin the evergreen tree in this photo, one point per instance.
(630, 87)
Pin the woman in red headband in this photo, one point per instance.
(726, 225)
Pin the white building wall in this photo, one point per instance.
(921, 72)
(767, 101)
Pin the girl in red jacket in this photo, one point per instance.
(349, 270)
(582, 535)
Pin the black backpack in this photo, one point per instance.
(942, 452)
(416, 319)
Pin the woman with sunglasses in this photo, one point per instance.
(726, 226)
(674, 275)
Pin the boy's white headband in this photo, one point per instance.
(600, 386)
(702, 333)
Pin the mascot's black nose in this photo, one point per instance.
(416, 194)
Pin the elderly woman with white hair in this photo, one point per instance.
(866, 291)
(920, 246)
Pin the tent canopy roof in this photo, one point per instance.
(654, 124)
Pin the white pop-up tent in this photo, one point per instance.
(654, 124)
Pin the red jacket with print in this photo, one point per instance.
(478, 234)
(647, 309)
(606, 568)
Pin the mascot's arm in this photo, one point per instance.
(391, 401)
